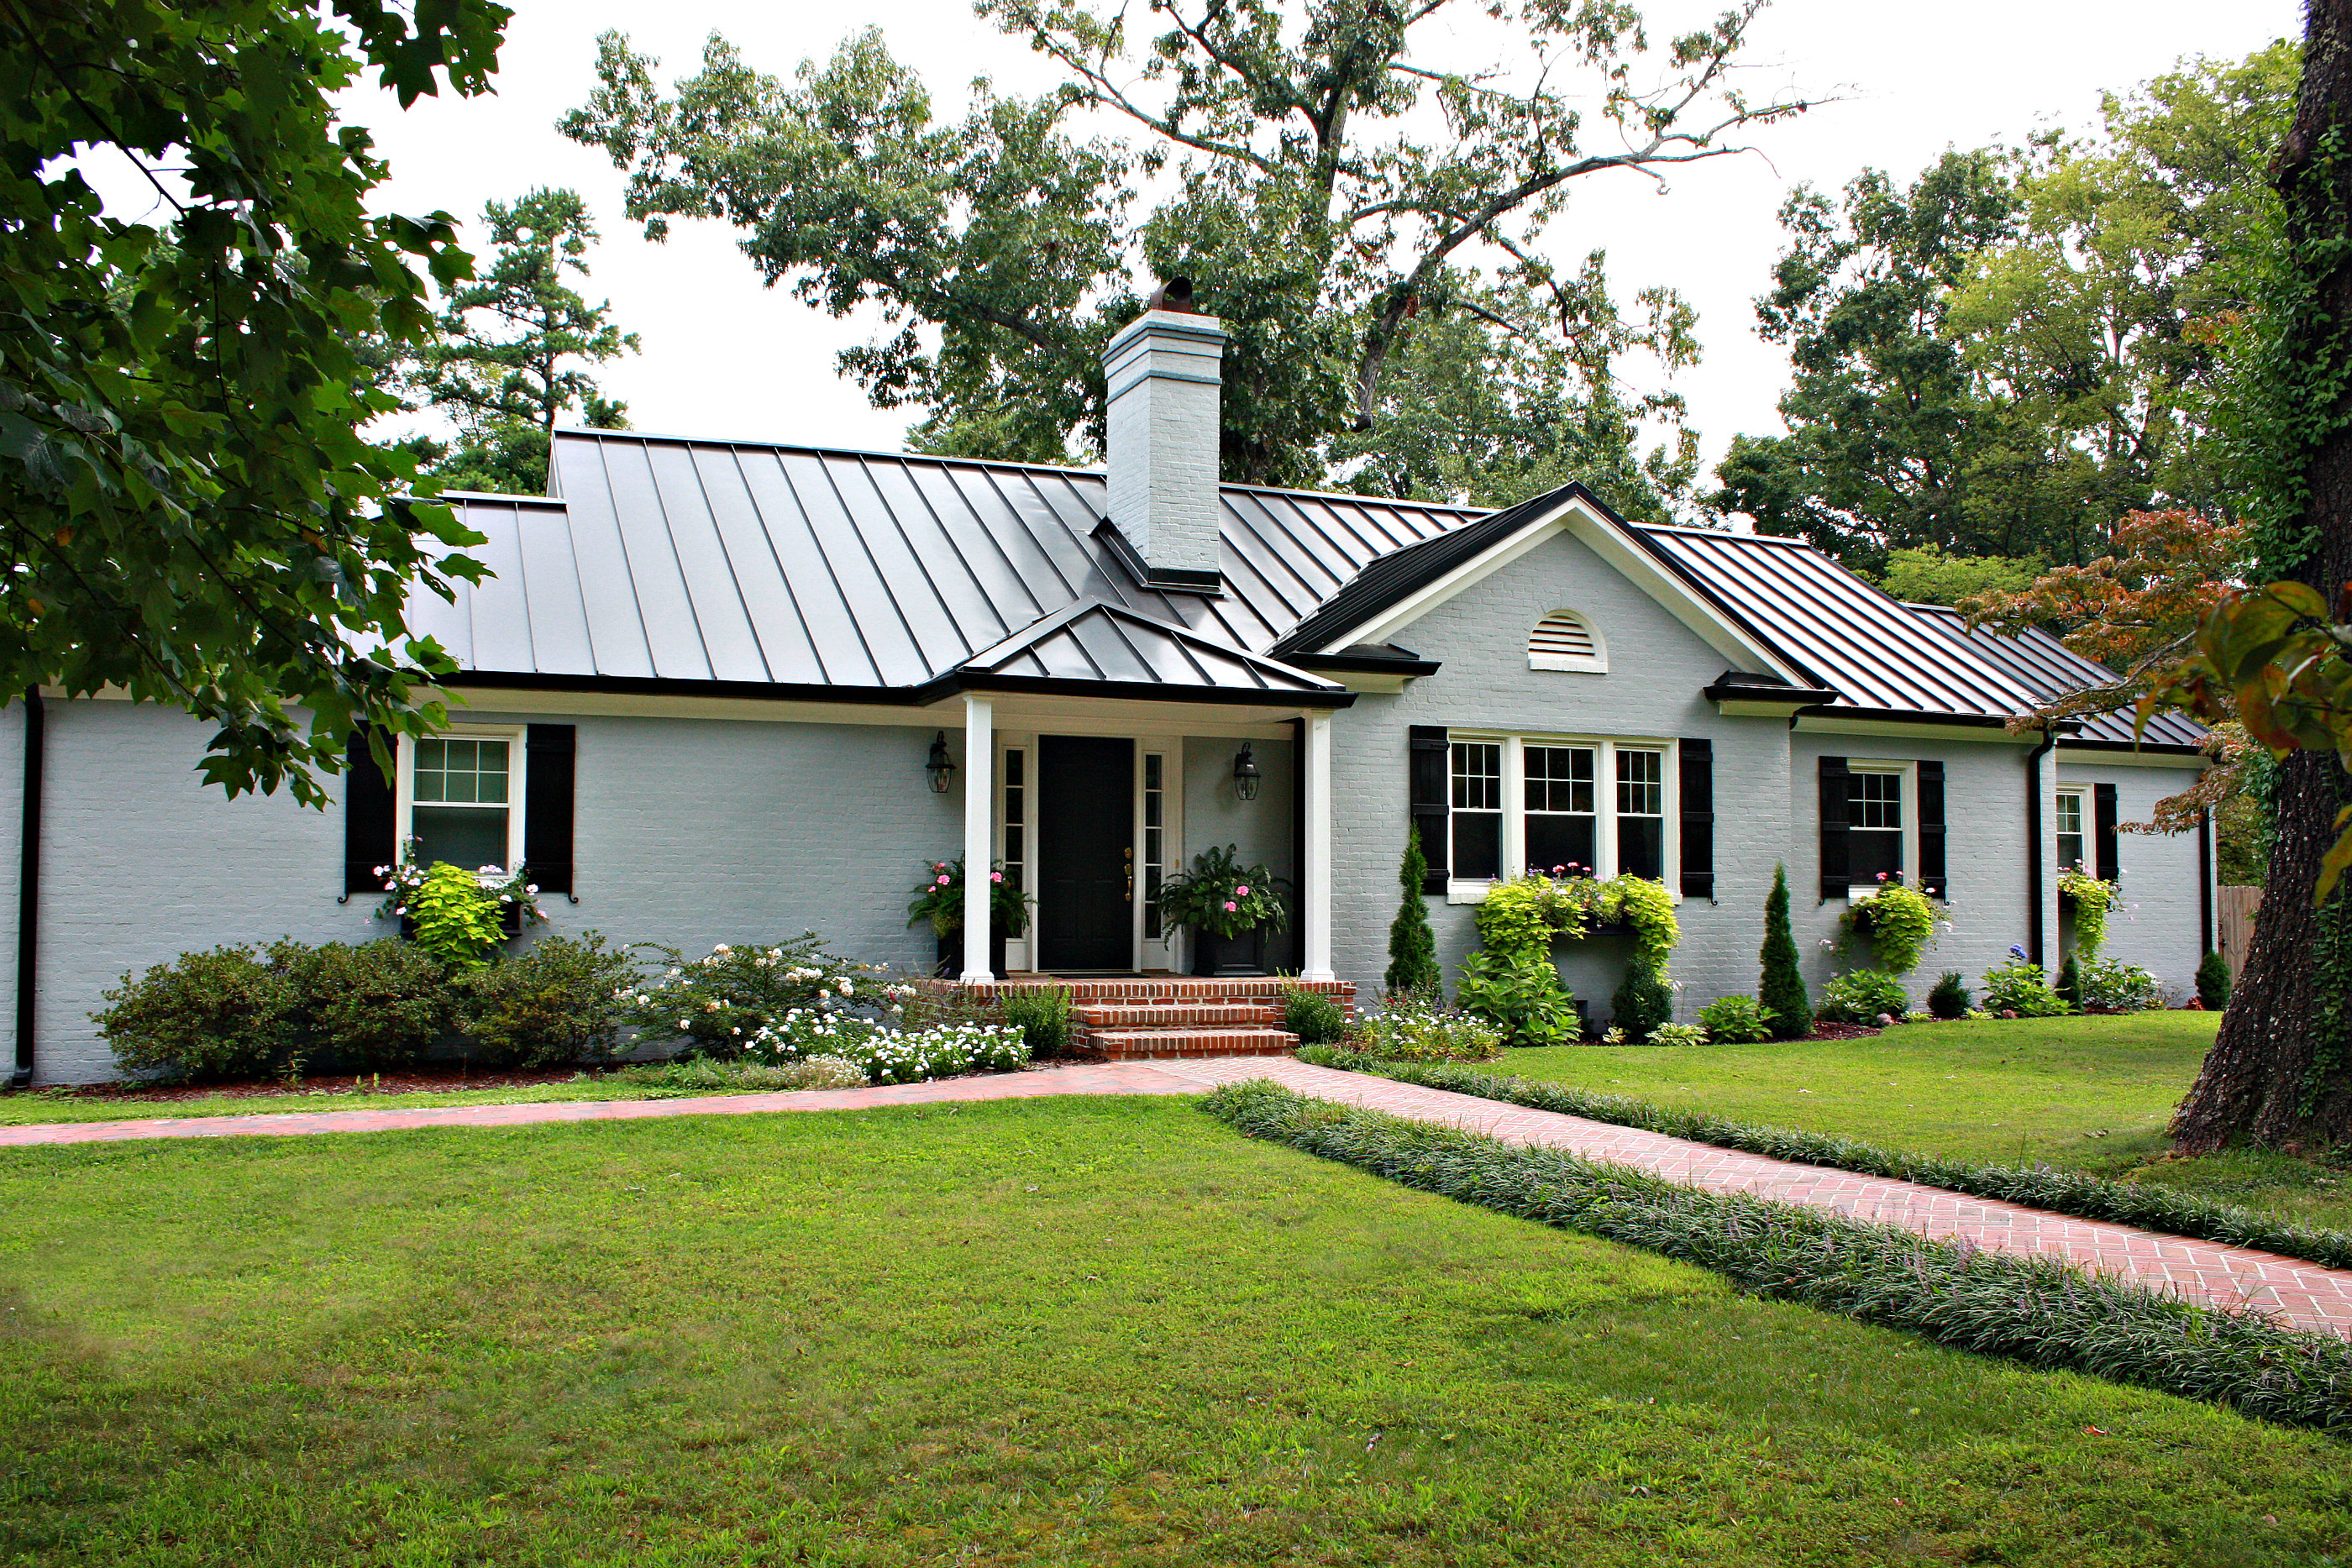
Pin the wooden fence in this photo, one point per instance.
(2236, 931)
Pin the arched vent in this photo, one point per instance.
(1563, 640)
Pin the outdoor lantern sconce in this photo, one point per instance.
(940, 767)
(1245, 774)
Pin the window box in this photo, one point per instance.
(509, 922)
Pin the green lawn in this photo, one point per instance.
(1049, 1331)
(64, 1105)
(2088, 1093)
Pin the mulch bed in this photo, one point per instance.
(409, 1080)
(1823, 1029)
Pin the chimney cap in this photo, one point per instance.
(1176, 294)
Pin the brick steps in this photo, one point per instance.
(1131, 1018)
(1171, 1015)
(1133, 1044)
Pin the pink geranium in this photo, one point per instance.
(996, 876)
(1231, 906)
(1241, 893)
(943, 882)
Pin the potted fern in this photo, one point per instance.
(1229, 908)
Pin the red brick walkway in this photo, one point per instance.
(2303, 1294)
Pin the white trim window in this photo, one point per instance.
(1882, 822)
(1580, 805)
(2073, 817)
(461, 797)
(1477, 777)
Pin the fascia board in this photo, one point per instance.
(2151, 757)
(1816, 724)
(1635, 565)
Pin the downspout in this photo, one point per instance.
(29, 887)
(2033, 939)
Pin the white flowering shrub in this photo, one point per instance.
(716, 1005)
(915, 1056)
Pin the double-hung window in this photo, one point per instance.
(1563, 821)
(461, 799)
(1477, 809)
(1558, 806)
(1874, 824)
(2073, 843)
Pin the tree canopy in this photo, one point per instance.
(2020, 346)
(188, 512)
(511, 347)
(1322, 178)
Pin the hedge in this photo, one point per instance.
(2033, 1310)
(2036, 1186)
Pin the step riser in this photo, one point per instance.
(1172, 992)
(1174, 1017)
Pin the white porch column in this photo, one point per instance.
(1314, 884)
(979, 797)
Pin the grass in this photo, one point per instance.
(1099, 1331)
(2080, 1093)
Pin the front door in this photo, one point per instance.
(1086, 852)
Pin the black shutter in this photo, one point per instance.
(547, 806)
(2104, 814)
(368, 820)
(1836, 867)
(1432, 794)
(1932, 880)
(1698, 819)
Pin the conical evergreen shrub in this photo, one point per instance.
(1412, 947)
(2070, 983)
(1783, 991)
(2213, 982)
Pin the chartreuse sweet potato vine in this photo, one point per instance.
(2035, 1310)
(1901, 924)
(1528, 914)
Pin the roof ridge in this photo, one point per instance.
(597, 433)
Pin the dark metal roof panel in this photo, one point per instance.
(1851, 636)
(2052, 670)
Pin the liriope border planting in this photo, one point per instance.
(2061, 1192)
(2033, 1310)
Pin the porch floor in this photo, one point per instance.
(1133, 1016)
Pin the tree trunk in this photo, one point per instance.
(2277, 1076)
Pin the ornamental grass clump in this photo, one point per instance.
(2035, 1310)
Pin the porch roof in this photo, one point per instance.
(1094, 647)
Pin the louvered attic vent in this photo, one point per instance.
(1563, 641)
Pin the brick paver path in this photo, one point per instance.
(2239, 1279)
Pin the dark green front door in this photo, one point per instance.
(1086, 852)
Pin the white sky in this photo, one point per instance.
(726, 357)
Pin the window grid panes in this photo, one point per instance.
(1874, 827)
(1562, 825)
(1016, 815)
(461, 772)
(1642, 813)
(1477, 809)
(2069, 830)
(1155, 837)
(458, 802)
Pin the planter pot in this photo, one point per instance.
(951, 964)
(1242, 953)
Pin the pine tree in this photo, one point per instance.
(1412, 947)
(1783, 991)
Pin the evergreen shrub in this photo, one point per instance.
(367, 1007)
(221, 1014)
(1950, 997)
(1316, 1019)
(1641, 1003)
(2213, 981)
(556, 1002)
(1044, 1019)
(1783, 992)
(1412, 947)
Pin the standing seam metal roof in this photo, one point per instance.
(749, 564)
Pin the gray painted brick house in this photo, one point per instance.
(708, 677)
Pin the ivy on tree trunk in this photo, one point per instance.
(2277, 1073)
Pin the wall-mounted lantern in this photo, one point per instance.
(941, 768)
(1245, 774)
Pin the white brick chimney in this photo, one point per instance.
(1164, 371)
